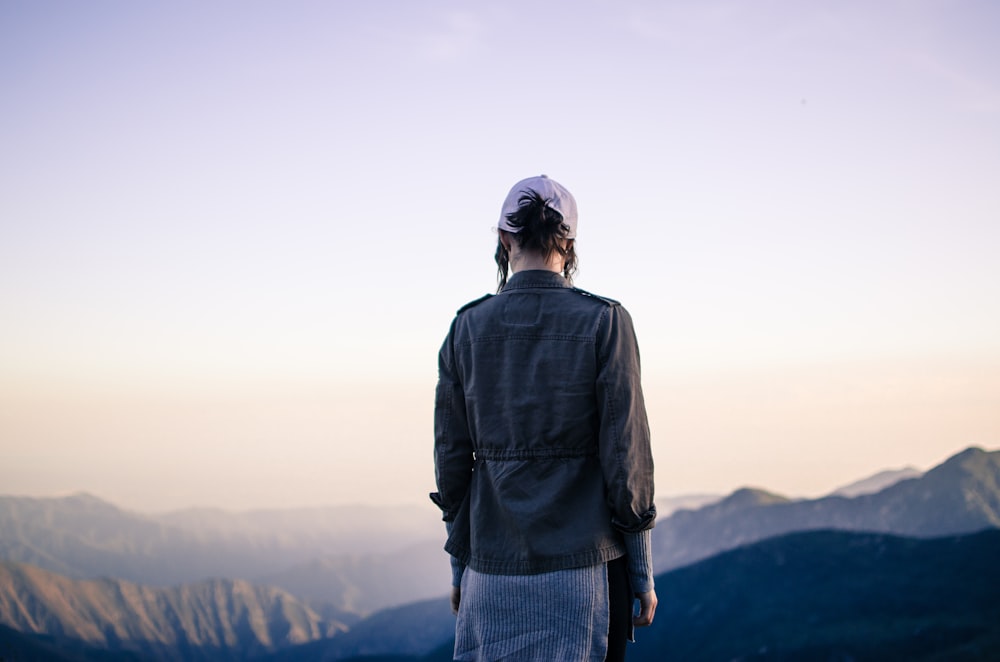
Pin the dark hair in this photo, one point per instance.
(539, 228)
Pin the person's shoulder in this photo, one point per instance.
(473, 304)
(607, 301)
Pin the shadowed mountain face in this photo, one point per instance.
(19, 646)
(833, 595)
(959, 496)
(206, 621)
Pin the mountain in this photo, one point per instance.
(816, 595)
(20, 647)
(668, 505)
(212, 620)
(877, 482)
(49, 617)
(833, 595)
(917, 582)
(84, 537)
(960, 495)
(352, 557)
(691, 535)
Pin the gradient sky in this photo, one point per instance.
(233, 234)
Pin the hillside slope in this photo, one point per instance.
(833, 595)
(213, 620)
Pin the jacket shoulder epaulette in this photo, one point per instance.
(472, 304)
(608, 301)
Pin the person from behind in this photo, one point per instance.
(542, 453)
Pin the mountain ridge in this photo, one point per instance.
(876, 482)
(196, 621)
(298, 601)
(830, 594)
(338, 574)
(82, 536)
(960, 495)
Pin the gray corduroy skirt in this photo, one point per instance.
(552, 617)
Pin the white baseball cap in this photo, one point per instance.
(555, 195)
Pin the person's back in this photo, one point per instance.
(537, 362)
(542, 452)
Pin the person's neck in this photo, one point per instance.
(535, 261)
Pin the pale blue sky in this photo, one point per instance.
(232, 235)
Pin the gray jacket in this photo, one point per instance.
(541, 444)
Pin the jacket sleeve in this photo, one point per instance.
(453, 454)
(623, 441)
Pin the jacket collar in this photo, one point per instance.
(535, 278)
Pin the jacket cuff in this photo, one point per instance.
(640, 560)
(446, 515)
(636, 524)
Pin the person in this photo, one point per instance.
(542, 456)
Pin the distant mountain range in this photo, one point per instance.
(961, 495)
(347, 556)
(666, 506)
(84, 580)
(818, 595)
(352, 551)
(83, 536)
(877, 483)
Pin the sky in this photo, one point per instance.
(233, 234)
